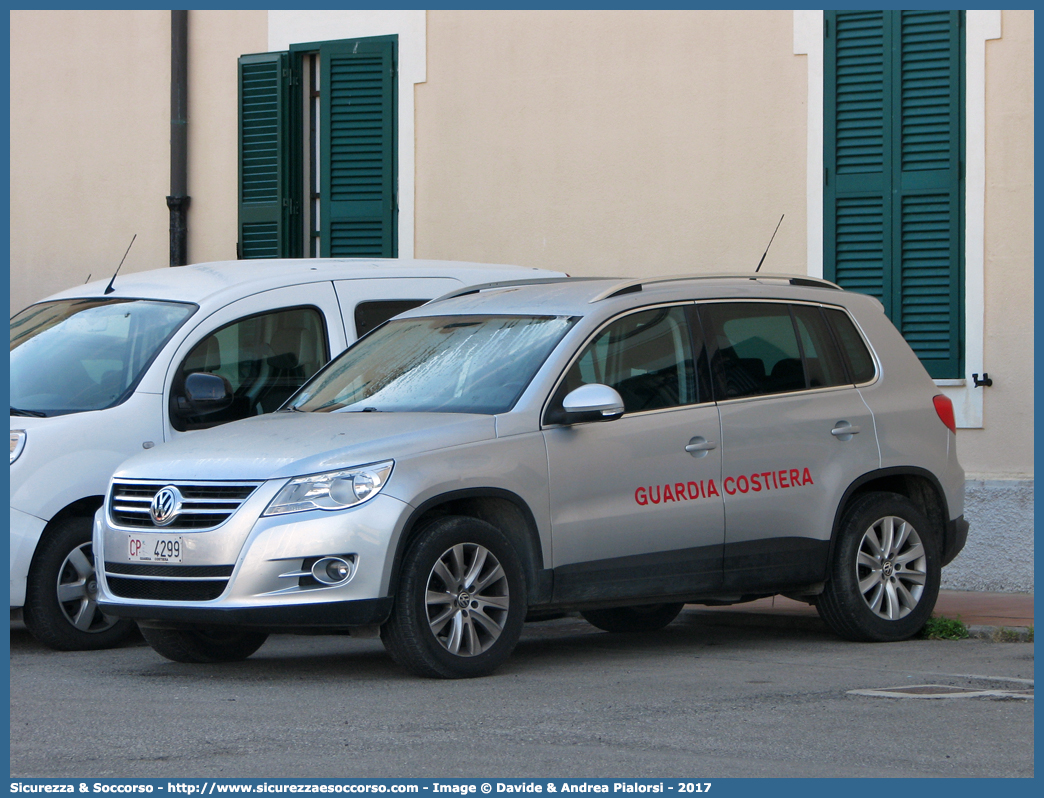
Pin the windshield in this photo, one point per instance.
(85, 354)
(447, 364)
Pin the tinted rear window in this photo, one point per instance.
(374, 313)
(754, 349)
(822, 359)
(860, 362)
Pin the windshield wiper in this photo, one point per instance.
(16, 411)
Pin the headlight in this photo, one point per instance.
(17, 443)
(333, 490)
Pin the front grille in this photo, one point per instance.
(165, 590)
(167, 582)
(205, 505)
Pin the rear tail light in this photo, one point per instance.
(944, 408)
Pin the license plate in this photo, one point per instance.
(155, 548)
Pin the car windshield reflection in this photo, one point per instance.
(86, 354)
(455, 364)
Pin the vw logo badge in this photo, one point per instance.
(166, 505)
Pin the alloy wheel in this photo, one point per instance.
(78, 592)
(891, 567)
(467, 599)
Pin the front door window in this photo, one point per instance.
(265, 359)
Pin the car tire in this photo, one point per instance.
(204, 644)
(641, 618)
(885, 573)
(460, 603)
(61, 609)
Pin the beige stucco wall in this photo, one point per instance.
(612, 142)
(89, 123)
(90, 141)
(216, 40)
(1004, 447)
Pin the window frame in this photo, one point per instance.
(293, 116)
(981, 27)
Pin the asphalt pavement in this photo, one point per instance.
(713, 695)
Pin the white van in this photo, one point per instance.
(101, 372)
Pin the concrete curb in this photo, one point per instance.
(1001, 634)
(812, 623)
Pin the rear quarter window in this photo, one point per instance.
(374, 313)
(860, 361)
(823, 361)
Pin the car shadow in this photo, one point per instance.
(560, 643)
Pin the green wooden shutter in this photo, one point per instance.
(357, 191)
(893, 198)
(927, 185)
(858, 159)
(264, 204)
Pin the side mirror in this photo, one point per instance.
(204, 393)
(594, 402)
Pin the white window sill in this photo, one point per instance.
(967, 401)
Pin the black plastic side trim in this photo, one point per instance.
(955, 535)
(665, 573)
(775, 564)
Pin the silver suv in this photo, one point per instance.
(619, 448)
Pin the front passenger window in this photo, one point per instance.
(646, 356)
(265, 359)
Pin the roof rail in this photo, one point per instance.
(474, 289)
(633, 286)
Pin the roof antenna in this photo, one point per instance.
(770, 242)
(109, 289)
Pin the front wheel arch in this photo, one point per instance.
(499, 508)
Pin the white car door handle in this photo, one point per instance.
(699, 446)
(844, 428)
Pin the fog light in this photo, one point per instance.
(332, 570)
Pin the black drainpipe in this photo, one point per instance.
(178, 200)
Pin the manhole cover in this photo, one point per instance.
(933, 689)
(941, 691)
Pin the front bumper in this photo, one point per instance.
(265, 556)
(328, 615)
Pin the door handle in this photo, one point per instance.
(699, 446)
(844, 431)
